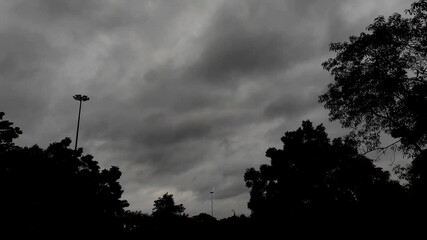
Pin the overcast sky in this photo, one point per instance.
(185, 95)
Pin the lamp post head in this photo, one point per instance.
(81, 98)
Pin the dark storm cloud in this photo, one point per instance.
(169, 142)
(166, 132)
(27, 61)
(22, 56)
(55, 9)
(170, 88)
(76, 15)
(170, 161)
(290, 106)
(233, 48)
(230, 189)
(237, 53)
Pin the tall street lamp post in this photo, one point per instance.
(80, 98)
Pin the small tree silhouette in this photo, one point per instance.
(165, 207)
(7, 133)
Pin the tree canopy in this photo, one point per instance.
(313, 175)
(165, 207)
(380, 81)
(7, 133)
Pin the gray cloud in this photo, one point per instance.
(52, 10)
(243, 44)
(79, 16)
(166, 133)
(290, 106)
(21, 57)
(235, 52)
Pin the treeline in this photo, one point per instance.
(60, 192)
(310, 182)
(314, 182)
(55, 190)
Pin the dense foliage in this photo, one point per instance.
(56, 189)
(380, 81)
(380, 86)
(313, 176)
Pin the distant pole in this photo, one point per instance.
(80, 98)
(212, 204)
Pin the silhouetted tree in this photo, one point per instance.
(7, 133)
(312, 176)
(165, 207)
(169, 219)
(380, 81)
(204, 218)
(380, 85)
(416, 176)
(56, 190)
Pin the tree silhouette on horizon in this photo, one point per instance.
(380, 86)
(380, 81)
(165, 207)
(312, 177)
(56, 190)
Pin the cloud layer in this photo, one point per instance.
(185, 95)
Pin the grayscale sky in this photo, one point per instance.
(185, 95)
